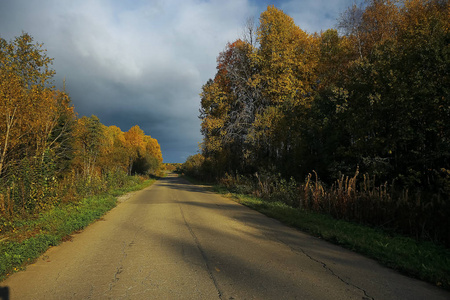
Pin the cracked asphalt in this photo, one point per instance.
(175, 240)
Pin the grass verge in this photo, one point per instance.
(423, 260)
(31, 238)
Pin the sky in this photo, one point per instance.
(143, 62)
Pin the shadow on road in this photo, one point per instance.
(244, 250)
(182, 184)
(4, 293)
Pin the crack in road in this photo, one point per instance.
(324, 265)
(205, 259)
(119, 268)
(91, 292)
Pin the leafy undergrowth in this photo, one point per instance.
(423, 260)
(31, 238)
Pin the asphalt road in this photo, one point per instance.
(175, 240)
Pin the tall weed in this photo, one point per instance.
(358, 198)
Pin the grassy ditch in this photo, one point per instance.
(423, 260)
(30, 238)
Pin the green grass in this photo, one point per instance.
(423, 260)
(33, 237)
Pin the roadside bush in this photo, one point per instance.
(358, 198)
(194, 166)
(28, 193)
(415, 213)
(238, 184)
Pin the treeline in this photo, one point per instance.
(370, 97)
(47, 154)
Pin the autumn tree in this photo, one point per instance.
(288, 59)
(11, 122)
(25, 78)
(153, 148)
(36, 125)
(229, 105)
(213, 112)
(149, 161)
(89, 136)
(373, 96)
(395, 106)
(113, 156)
(46, 153)
(135, 145)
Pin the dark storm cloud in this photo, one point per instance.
(143, 63)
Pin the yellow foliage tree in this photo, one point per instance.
(288, 57)
(153, 149)
(288, 60)
(34, 117)
(113, 152)
(12, 107)
(134, 144)
(89, 137)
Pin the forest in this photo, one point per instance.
(352, 121)
(49, 155)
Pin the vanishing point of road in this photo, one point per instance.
(175, 240)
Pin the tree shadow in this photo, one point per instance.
(4, 293)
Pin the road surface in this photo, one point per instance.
(175, 240)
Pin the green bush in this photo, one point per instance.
(49, 227)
